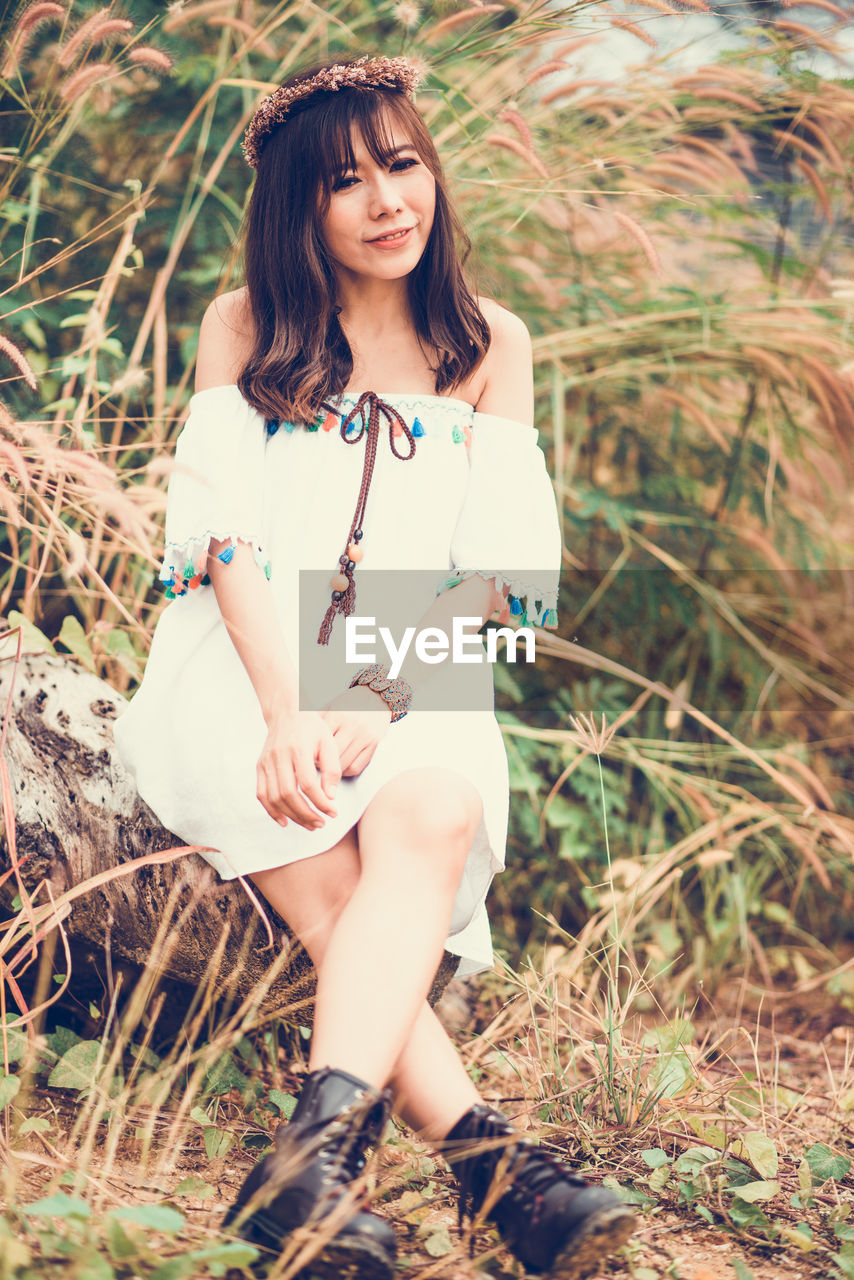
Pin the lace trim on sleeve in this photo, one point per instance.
(524, 602)
(184, 565)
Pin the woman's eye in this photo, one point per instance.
(343, 183)
(403, 164)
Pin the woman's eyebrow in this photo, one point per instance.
(392, 154)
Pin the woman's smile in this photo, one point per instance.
(384, 204)
(393, 239)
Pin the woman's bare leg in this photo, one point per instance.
(386, 945)
(431, 1085)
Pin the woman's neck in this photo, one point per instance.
(373, 309)
(377, 321)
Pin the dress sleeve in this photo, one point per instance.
(215, 489)
(508, 528)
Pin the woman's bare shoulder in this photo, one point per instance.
(225, 340)
(505, 326)
(507, 387)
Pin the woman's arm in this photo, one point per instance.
(298, 743)
(246, 604)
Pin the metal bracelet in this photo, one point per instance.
(396, 694)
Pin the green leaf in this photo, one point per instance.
(221, 1258)
(58, 1206)
(714, 1135)
(32, 640)
(90, 1263)
(756, 1192)
(633, 1195)
(257, 1142)
(16, 1041)
(744, 1214)
(61, 1040)
(119, 1242)
(742, 1272)
(693, 1160)
(217, 1142)
(284, 1101)
(147, 1056)
(805, 1179)
(72, 635)
(76, 1067)
(177, 1269)
(673, 1035)
(194, 1186)
(34, 1124)
(824, 1164)
(845, 1261)
(761, 1152)
(9, 1086)
(157, 1217)
(655, 1157)
(120, 646)
(439, 1242)
(224, 1075)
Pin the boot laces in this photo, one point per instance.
(345, 1153)
(530, 1171)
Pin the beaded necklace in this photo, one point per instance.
(368, 410)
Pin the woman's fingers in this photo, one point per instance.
(329, 764)
(268, 791)
(279, 784)
(308, 780)
(361, 760)
(348, 747)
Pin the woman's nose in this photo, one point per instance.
(385, 197)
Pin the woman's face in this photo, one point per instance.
(380, 214)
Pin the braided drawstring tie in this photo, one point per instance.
(368, 410)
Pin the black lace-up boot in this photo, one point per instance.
(556, 1224)
(305, 1180)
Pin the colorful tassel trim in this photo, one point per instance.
(331, 421)
(194, 575)
(537, 612)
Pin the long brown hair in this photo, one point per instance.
(300, 356)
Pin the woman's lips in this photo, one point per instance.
(393, 239)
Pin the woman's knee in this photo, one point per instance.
(434, 812)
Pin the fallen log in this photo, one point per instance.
(78, 819)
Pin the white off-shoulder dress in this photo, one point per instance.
(475, 497)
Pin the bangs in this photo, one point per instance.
(371, 113)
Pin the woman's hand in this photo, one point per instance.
(299, 764)
(359, 719)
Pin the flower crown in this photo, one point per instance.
(364, 73)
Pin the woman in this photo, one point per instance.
(357, 373)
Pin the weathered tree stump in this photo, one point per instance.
(78, 815)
